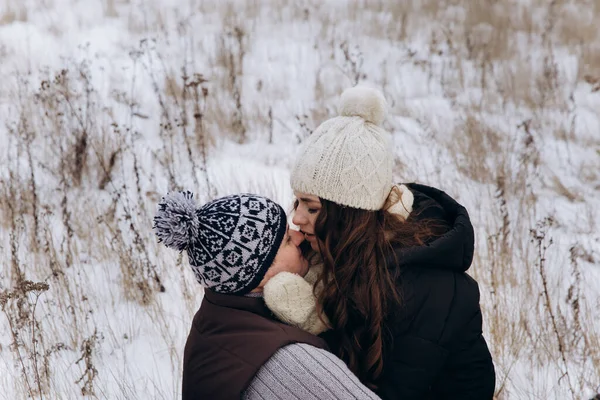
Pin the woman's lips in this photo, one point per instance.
(308, 236)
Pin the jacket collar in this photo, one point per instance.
(255, 305)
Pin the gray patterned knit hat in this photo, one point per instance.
(231, 242)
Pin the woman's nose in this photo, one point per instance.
(298, 219)
(296, 237)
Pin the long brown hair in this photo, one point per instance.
(360, 288)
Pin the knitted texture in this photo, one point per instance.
(176, 223)
(348, 159)
(231, 242)
(292, 300)
(301, 371)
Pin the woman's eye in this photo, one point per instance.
(312, 210)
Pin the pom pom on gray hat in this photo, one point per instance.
(364, 102)
(176, 222)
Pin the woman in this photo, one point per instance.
(403, 314)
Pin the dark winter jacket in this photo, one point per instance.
(230, 339)
(438, 351)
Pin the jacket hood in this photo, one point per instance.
(454, 250)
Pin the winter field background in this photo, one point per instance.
(108, 104)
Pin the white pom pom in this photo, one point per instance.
(364, 102)
(176, 223)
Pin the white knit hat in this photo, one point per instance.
(348, 159)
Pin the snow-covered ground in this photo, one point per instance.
(108, 104)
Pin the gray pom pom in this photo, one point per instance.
(176, 223)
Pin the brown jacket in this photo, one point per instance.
(230, 339)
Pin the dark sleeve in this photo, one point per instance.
(437, 324)
(413, 366)
(469, 370)
(469, 373)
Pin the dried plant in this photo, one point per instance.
(491, 101)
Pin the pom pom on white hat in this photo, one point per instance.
(364, 102)
(349, 160)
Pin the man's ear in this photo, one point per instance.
(271, 272)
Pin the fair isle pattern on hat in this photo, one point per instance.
(236, 242)
(239, 237)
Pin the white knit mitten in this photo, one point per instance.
(314, 273)
(290, 297)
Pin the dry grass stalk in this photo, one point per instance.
(479, 61)
(90, 372)
(539, 235)
(25, 332)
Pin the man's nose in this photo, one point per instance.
(296, 237)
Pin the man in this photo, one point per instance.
(236, 347)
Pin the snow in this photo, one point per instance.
(452, 127)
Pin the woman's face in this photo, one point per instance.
(306, 215)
